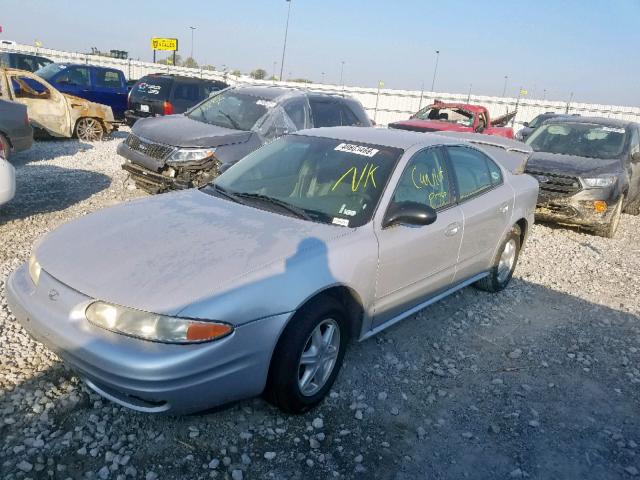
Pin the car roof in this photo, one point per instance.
(606, 122)
(380, 136)
(171, 76)
(273, 92)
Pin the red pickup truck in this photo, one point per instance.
(456, 117)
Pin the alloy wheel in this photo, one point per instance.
(507, 259)
(89, 130)
(319, 357)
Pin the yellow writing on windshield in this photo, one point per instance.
(438, 199)
(366, 173)
(434, 179)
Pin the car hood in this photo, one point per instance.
(181, 131)
(415, 124)
(573, 165)
(165, 253)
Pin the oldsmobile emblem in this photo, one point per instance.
(53, 295)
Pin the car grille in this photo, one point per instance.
(153, 150)
(556, 185)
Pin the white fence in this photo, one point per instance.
(383, 105)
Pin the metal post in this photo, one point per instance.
(435, 70)
(513, 121)
(569, 103)
(469, 94)
(342, 75)
(504, 89)
(375, 112)
(273, 75)
(286, 33)
(421, 96)
(192, 29)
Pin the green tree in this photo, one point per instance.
(190, 63)
(301, 80)
(259, 74)
(169, 60)
(236, 73)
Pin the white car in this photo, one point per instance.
(7, 181)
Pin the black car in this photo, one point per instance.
(16, 133)
(164, 94)
(588, 170)
(189, 150)
(23, 61)
(529, 127)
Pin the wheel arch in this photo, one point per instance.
(523, 225)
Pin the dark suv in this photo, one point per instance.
(588, 170)
(160, 94)
(182, 151)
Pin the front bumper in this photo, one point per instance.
(144, 376)
(575, 210)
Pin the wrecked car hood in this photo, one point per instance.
(429, 126)
(571, 164)
(181, 131)
(88, 108)
(164, 253)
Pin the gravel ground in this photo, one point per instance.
(539, 381)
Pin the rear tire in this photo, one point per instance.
(609, 230)
(89, 129)
(504, 264)
(320, 331)
(5, 147)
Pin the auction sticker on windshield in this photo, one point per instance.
(357, 149)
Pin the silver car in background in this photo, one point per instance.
(256, 283)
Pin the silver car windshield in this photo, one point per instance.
(232, 109)
(331, 181)
(579, 139)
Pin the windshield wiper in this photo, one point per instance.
(216, 188)
(234, 124)
(298, 212)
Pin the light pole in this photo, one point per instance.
(286, 32)
(192, 29)
(504, 89)
(342, 74)
(322, 77)
(273, 75)
(544, 94)
(435, 70)
(469, 94)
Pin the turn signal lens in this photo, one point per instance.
(202, 331)
(600, 206)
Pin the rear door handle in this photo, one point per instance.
(452, 229)
(504, 208)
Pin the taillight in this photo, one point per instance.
(167, 108)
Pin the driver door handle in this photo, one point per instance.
(452, 229)
(504, 208)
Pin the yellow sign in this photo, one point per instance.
(523, 92)
(164, 44)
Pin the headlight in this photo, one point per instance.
(191, 154)
(599, 182)
(153, 327)
(34, 269)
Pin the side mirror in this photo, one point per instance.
(409, 213)
(525, 124)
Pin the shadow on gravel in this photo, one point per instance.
(50, 149)
(562, 406)
(42, 188)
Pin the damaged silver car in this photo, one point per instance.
(191, 149)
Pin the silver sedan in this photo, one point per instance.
(257, 282)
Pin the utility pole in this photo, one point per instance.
(504, 89)
(469, 94)
(435, 70)
(569, 103)
(192, 30)
(286, 33)
(342, 75)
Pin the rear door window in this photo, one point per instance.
(189, 92)
(74, 76)
(325, 114)
(108, 79)
(475, 172)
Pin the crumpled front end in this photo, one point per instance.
(81, 108)
(148, 164)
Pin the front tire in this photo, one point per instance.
(308, 356)
(89, 129)
(504, 264)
